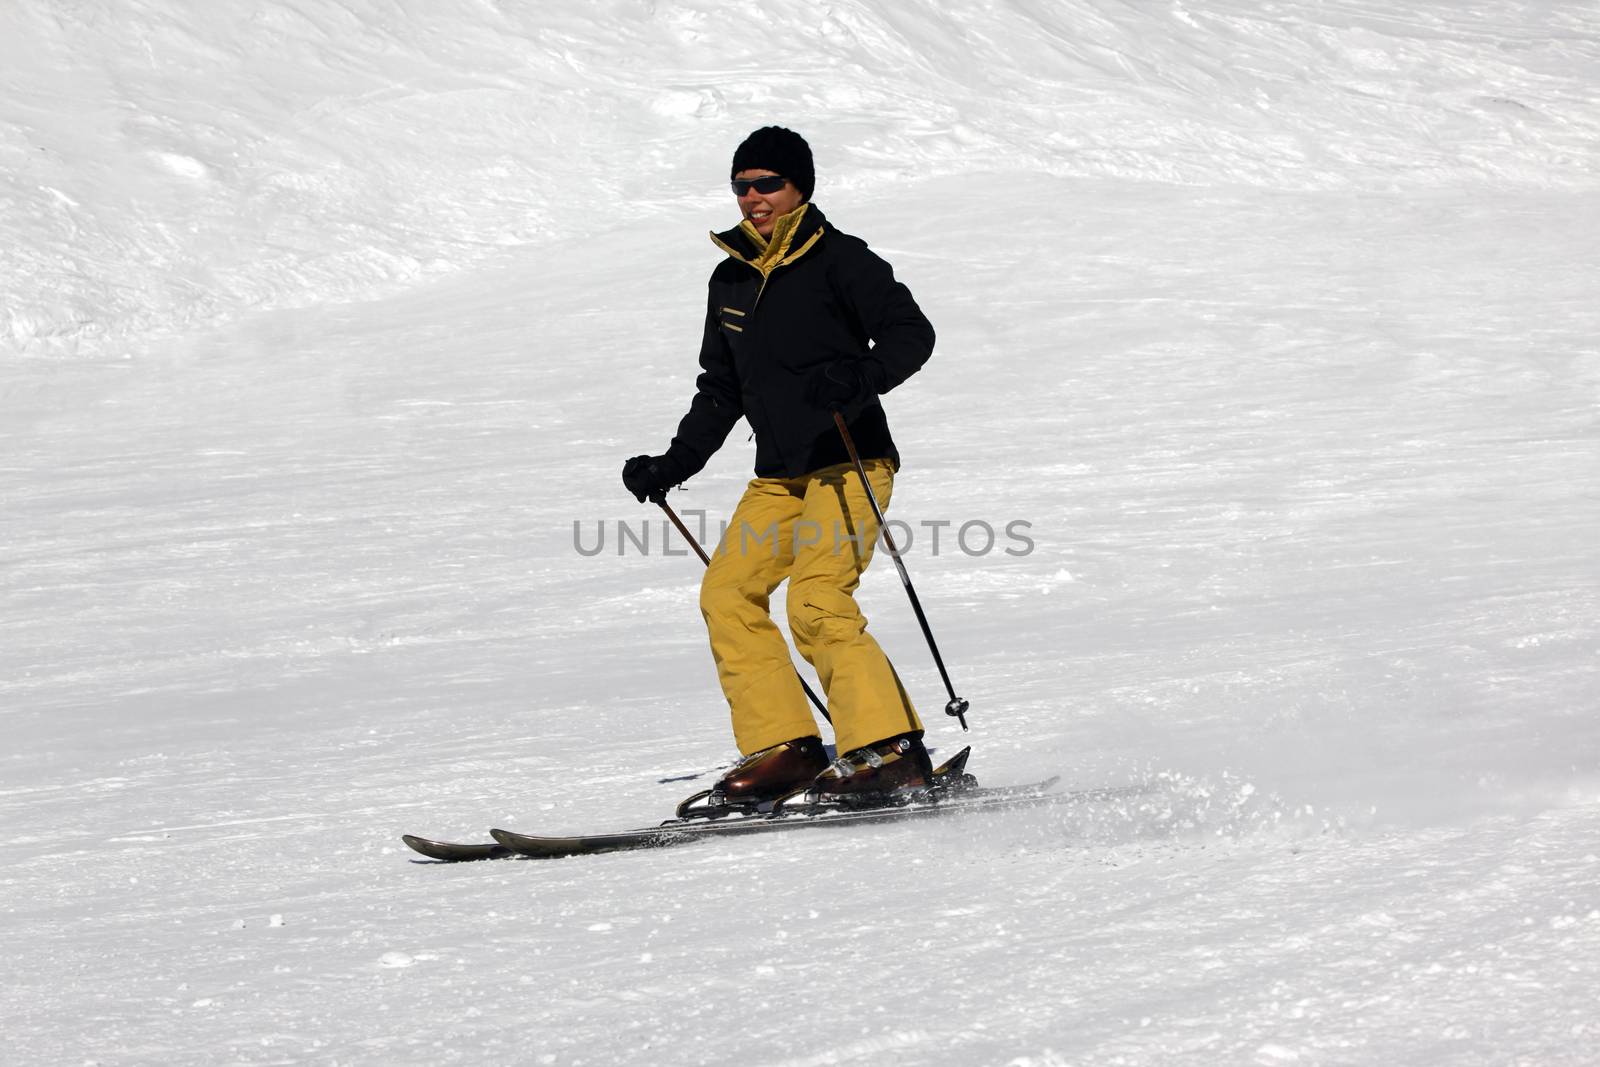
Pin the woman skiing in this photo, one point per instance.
(802, 321)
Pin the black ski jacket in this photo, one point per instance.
(779, 310)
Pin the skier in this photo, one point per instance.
(802, 321)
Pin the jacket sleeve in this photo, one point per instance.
(716, 405)
(902, 337)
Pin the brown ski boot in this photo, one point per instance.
(880, 773)
(761, 777)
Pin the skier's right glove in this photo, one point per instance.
(649, 477)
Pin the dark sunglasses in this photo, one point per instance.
(770, 184)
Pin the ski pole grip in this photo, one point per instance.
(957, 709)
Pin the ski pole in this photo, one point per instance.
(816, 702)
(957, 708)
(684, 530)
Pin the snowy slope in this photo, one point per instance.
(1275, 321)
(169, 164)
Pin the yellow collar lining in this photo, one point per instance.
(775, 250)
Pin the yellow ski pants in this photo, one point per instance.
(818, 532)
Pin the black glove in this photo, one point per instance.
(649, 477)
(842, 386)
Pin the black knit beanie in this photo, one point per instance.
(781, 151)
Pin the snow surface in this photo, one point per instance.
(323, 322)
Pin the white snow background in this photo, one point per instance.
(323, 321)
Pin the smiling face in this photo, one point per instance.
(763, 209)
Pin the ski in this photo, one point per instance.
(678, 832)
(953, 770)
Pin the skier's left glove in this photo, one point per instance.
(845, 385)
(649, 477)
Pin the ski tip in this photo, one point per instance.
(526, 844)
(450, 852)
(537, 847)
